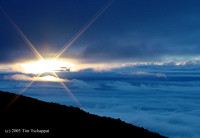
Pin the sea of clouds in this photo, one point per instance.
(163, 99)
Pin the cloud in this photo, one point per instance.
(11, 67)
(79, 84)
(123, 33)
(22, 77)
(170, 110)
(169, 106)
(144, 74)
(191, 62)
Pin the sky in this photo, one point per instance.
(137, 60)
(128, 31)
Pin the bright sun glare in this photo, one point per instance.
(43, 66)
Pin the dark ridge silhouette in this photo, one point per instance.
(31, 117)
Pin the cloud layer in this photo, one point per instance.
(163, 99)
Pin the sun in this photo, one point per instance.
(44, 66)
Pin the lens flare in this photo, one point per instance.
(18, 30)
(82, 30)
(51, 66)
(21, 92)
(68, 91)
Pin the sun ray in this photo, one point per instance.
(65, 47)
(82, 30)
(30, 82)
(22, 35)
(22, 91)
(67, 90)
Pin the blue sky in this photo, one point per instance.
(138, 61)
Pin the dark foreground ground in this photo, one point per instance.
(31, 117)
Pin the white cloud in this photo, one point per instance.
(23, 77)
(18, 67)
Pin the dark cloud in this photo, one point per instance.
(124, 52)
(127, 31)
(149, 33)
